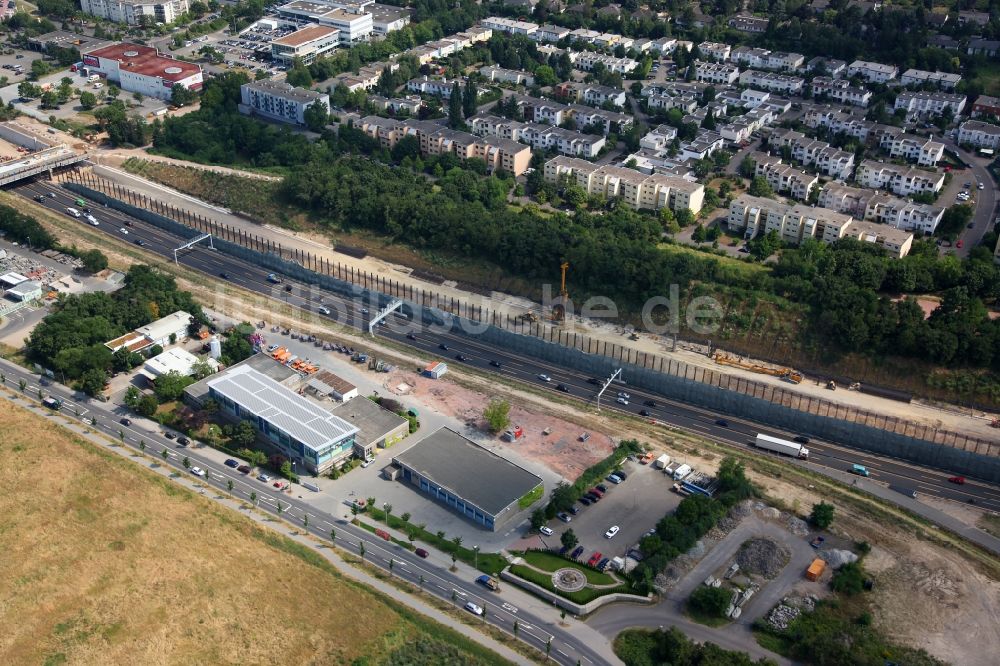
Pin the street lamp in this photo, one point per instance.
(475, 549)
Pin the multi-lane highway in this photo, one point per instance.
(451, 346)
(534, 630)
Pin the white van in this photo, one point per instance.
(73, 211)
(93, 78)
(98, 85)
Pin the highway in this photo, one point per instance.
(447, 346)
(535, 631)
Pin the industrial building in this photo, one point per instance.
(158, 332)
(29, 290)
(173, 360)
(378, 428)
(305, 433)
(141, 69)
(325, 383)
(465, 477)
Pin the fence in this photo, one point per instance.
(706, 388)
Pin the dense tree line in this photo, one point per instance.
(70, 340)
(641, 647)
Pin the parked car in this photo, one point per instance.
(169, 435)
(565, 517)
(244, 469)
(620, 474)
(603, 564)
(263, 477)
(577, 552)
(585, 501)
(614, 479)
(183, 441)
(594, 559)
(612, 531)
(232, 463)
(546, 530)
(574, 509)
(601, 488)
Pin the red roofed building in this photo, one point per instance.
(143, 70)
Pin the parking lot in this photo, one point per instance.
(635, 506)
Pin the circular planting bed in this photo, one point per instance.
(569, 580)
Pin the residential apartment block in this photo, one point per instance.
(135, 12)
(590, 93)
(434, 86)
(498, 153)
(986, 107)
(543, 137)
(280, 101)
(979, 134)
(510, 26)
(883, 208)
(796, 223)
(900, 180)
(702, 146)
(916, 77)
(827, 67)
(638, 190)
(501, 75)
(929, 103)
(716, 72)
(659, 139)
(409, 105)
(912, 148)
(764, 59)
(790, 85)
(786, 179)
(840, 91)
(715, 51)
(818, 154)
(873, 72)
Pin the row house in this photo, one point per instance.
(811, 152)
(840, 122)
(666, 100)
(536, 110)
(718, 73)
(786, 179)
(510, 26)
(986, 107)
(590, 93)
(917, 104)
(742, 127)
(543, 137)
(410, 105)
(587, 60)
(918, 77)
(873, 72)
(636, 189)
(549, 34)
(790, 85)
(882, 208)
(659, 139)
(979, 134)
(827, 67)
(608, 121)
(435, 140)
(796, 223)
(434, 86)
(756, 58)
(901, 180)
(912, 148)
(840, 91)
(753, 25)
(748, 98)
(500, 75)
(715, 51)
(702, 146)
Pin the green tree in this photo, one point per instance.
(88, 100)
(470, 97)
(182, 95)
(186, 462)
(170, 387)
(822, 515)
(849, 579)
(94, 261)
(569, 539)
(92, 381)
(244, 435)
(759, 187)
(538, 519)
(455, 107)
(497, 415)
(131, 398)
(316, 116)
(710, 601)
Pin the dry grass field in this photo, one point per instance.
(104, 563)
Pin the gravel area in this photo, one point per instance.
(762, 557)
(838, 558)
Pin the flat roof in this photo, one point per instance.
(327, 382)
(12, 278)
(25, 287)
(132, 341)
(263, 397)
(372, 420)
(305, 35)
(459, 465)
(173, 360)
(164, 326)
(262, 363)
(146, 61)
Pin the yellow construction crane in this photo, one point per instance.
(784, 373)
(559, 309)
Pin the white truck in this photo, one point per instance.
(782, 446)
(662, 461)
(681, 472)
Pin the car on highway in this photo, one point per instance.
(231, 463)
(722, 423)
(443, 347)
(593, 380)
(623, 394)
(243, 469)
(546, 530)
(263, 477)
(563, 388)
(39, 198)
(577, 552)
(224, 276)
(411, 336)
(594, 559)
(462, 357)
(644, 412)
(363, 311)
(125, 422)
(565, 517)
(73, 212)
(169, 435)
(622, 401)
(544, 377)
(183, 441)
(960, 480)
(612, 531)
(288, 287)
(860, 470)
(140, 242)
(650, 403)
(420, 552)
(473, 608)
(198, 471)
(323, 310)
(123, 231)
(980, 186)
(496, 364)
(800, 439)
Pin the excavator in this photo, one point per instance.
(784, 373)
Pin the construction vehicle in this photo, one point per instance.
(559, 309)
(787, 374)
(527, 317)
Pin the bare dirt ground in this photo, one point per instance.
(928, 594)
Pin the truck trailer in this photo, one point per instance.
(782, 446)
(662, 462)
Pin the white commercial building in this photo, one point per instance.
(141, 69)
(280, 101)
(138, 12)
(354, 28)
(306, 44)
(638, 190)
(174, 360)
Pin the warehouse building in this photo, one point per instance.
(465, 477)
(174, 360)
(305, 433)
(141, 69)
(378, 428)
(158, 332)
(306, 44)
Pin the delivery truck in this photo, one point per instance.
(681, 472)
(782, 446)
(662, 462)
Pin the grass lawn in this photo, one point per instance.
(551, 562)
(545, 580)
(989, 76)
(107, 563)
(725, 263)
(707, 620)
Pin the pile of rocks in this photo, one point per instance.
(762, 557)
(837, 558)
(797, 526)
(781, 616)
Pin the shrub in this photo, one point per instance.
(849, 579)
(822, 515)
(710, 601)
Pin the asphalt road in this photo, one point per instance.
(447, 346)
(986, 202)
(533, 630)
